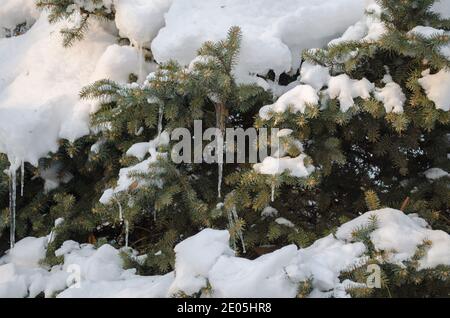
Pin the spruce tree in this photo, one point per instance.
(367, 148)
(366, 154)
(159, 214)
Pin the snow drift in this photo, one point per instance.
(207, 259)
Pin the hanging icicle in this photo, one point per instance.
(123, 220)
(127, 231)
(272, 197)
(120, 209)
(12, 205)
(230, 225)
(232, 219)
(160, 119)
(22, 177)
(221, 116)
(141, 61)
(219, 182)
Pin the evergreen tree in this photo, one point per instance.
(365, 154)
(368, 148)
(186, 199)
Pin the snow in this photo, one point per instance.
(276, 166)
(428, 33)
(368, 29)
(118, 62)
(231, 277)
(324, 260)
(54, 176)
(274, 33)
(269, 212)
(32, 123)
(315, 75)
(442, 7)
(140, 20)
(346, 89)
(125, 179)
(139, 150)
(401, 235)
(436, 173)
(284, 222)
(206, 258)
(436, 87)
(14, 12)
(294, 100)
(28, 251)
(391, 95)
(195, 257)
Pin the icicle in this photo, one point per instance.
(232, 219)
(22, 177)
(12, 206)
(120, 209)
(141, 61)
(160, 119)
(231, 224)
(121, 218)
(127, 231)
(219, 185)
(273, 191)
(221, 115)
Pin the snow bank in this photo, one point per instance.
(207, 260)
(195, 257)
(14, 12)
(274, 32)
(39, 86)
(118, 62)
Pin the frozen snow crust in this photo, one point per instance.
(207, 258)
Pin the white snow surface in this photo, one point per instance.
(399, 234)
(140, 20)
(14, 12)
(39, 85)
(294, 100)
(207, 258)
(436, 173)
(274, 32)
(437, 88)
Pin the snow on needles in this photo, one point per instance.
(437, 87)
(206, 258)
